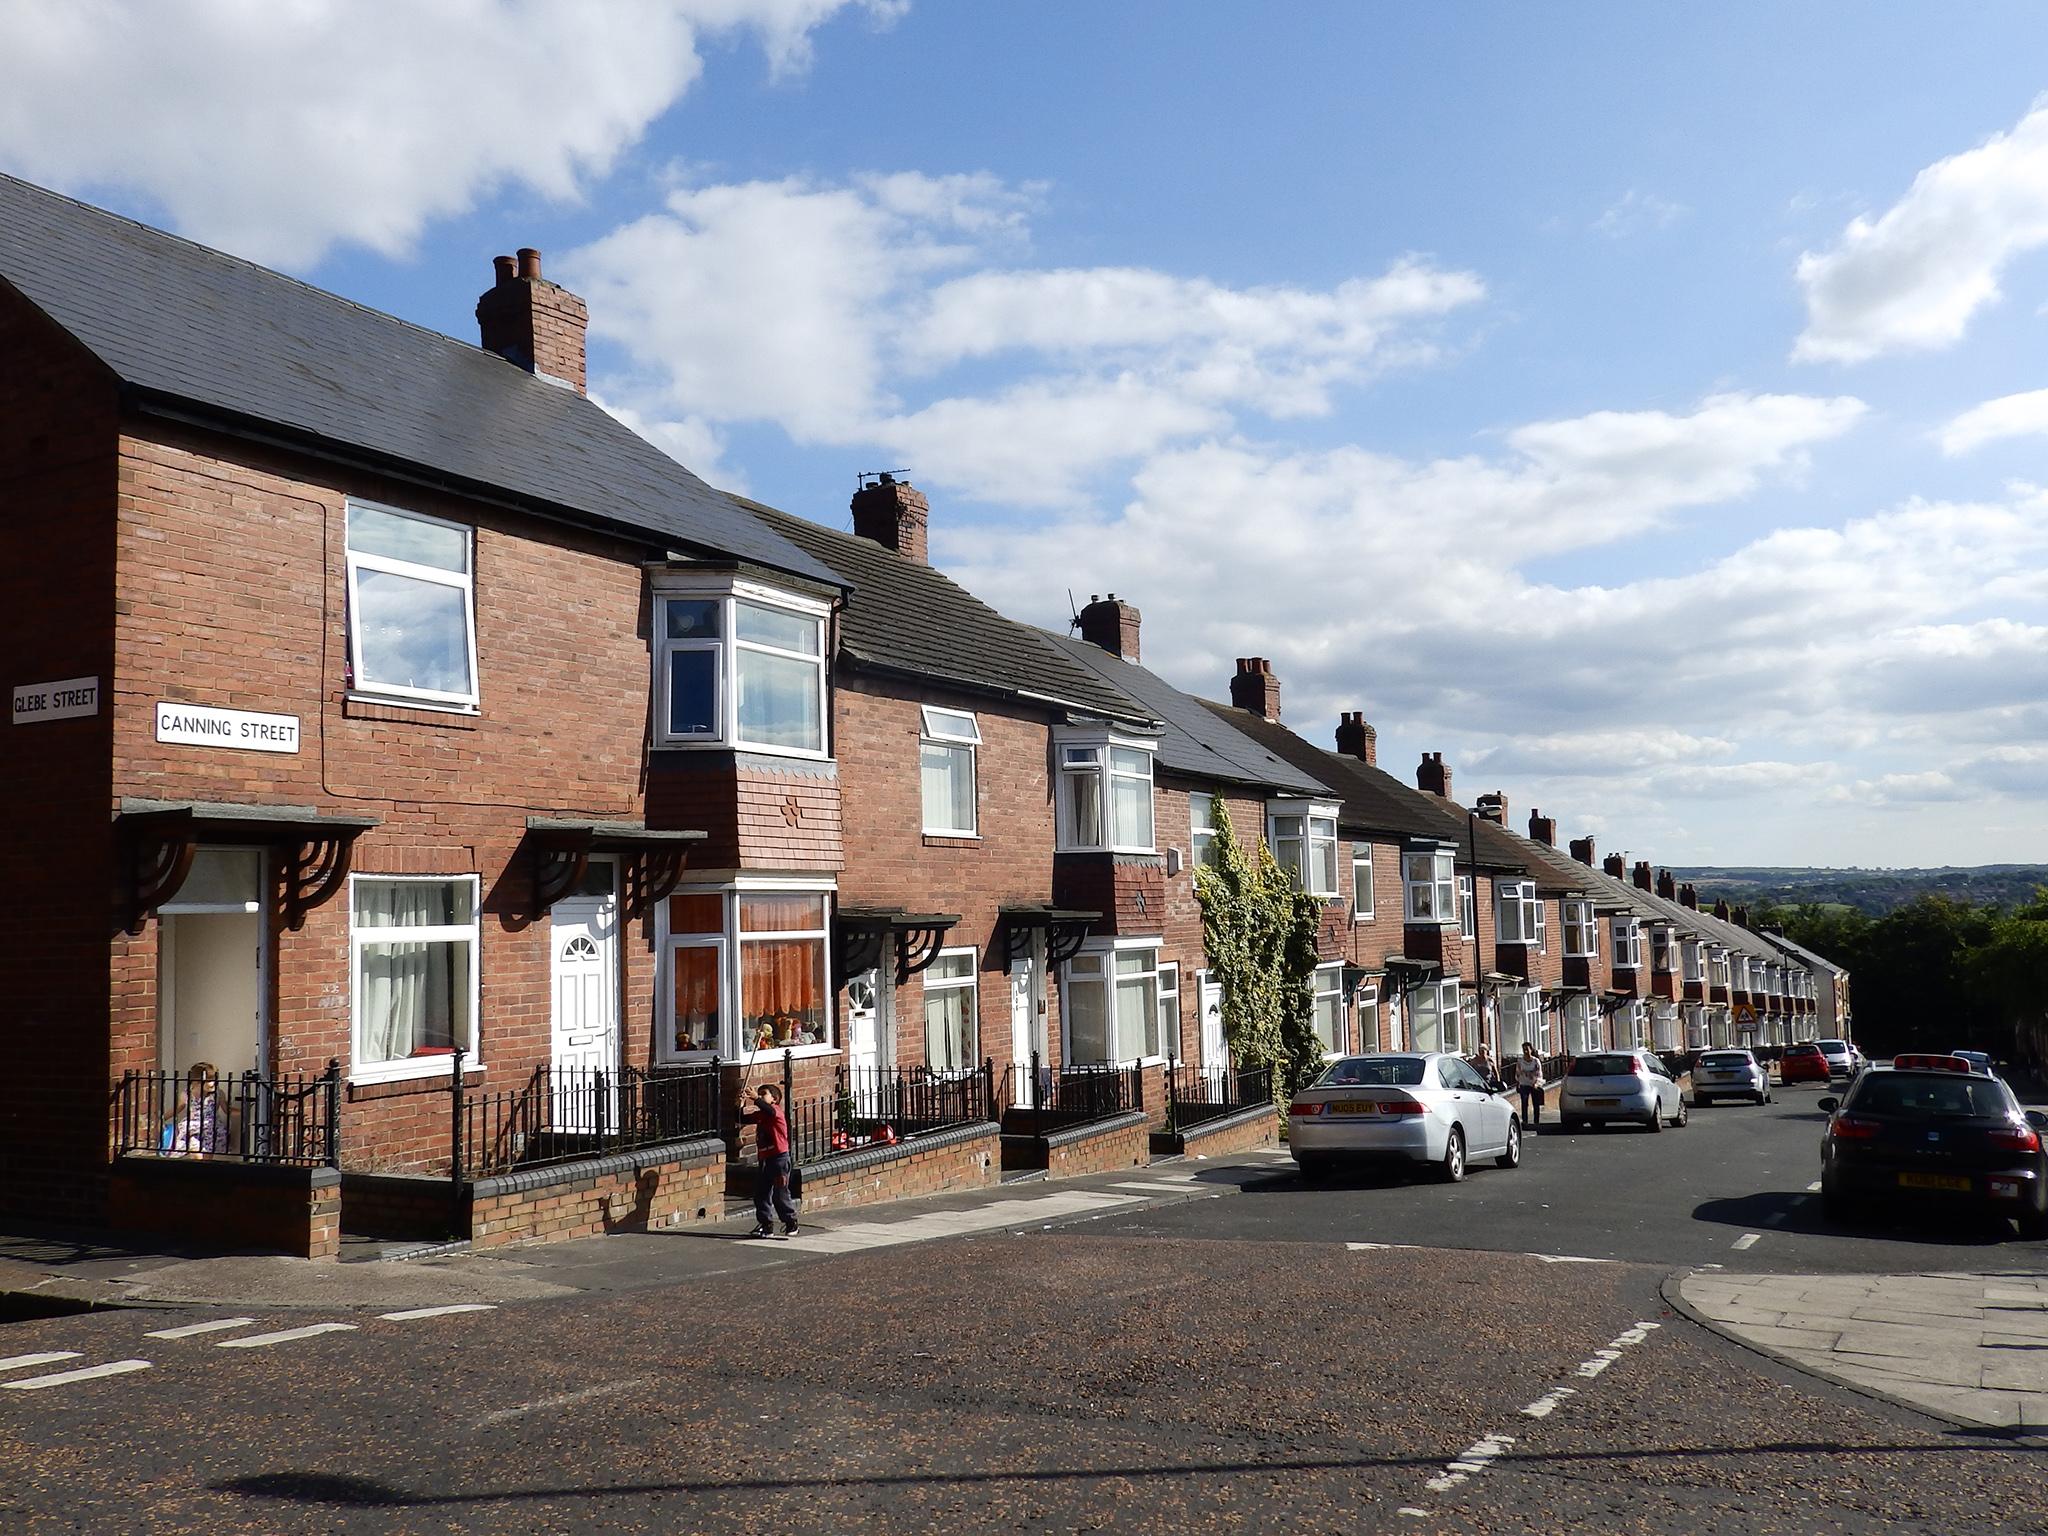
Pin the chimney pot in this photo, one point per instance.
(504, 267)
(532, 322)
(1111, 624)
(529, 264)
(895, 514)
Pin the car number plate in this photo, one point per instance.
(1603, 1103)
(1354, 1107)
(1933, 1181)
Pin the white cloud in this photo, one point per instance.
(1599, 752)
(1636, 212)
(2022, 415)
(1912, 278)
(278, 130)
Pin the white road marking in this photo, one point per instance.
(1380, 1247)
(604, 1389)
(447, 1311)
(1548, 1403)
(1028, 1210)
(65, 1378)
(1409, 1509)
(1567, 1258)
(262, 1340)
(1813, 1188)
(1154, 1187)
(1747, 1240)
(193, 1330)
(23, 1362)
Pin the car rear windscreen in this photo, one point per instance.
(1929, 1096)
(1604, 1066)
(1375, 1072)
(1725, 1059)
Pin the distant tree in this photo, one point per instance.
(2007, 977)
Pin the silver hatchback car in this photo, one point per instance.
(1418, 1106)
(1630, 1086)
(1730, 1075)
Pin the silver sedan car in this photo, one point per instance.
(1730, 1075)
(1417, 1106)
(1630, 1086)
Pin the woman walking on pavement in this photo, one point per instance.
(1529, 1083)
(771, 1177)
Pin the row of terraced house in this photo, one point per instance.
(486, 800)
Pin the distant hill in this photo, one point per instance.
(1873, 891)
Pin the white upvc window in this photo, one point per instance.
(1522, 1018)
(1105, 794)
(743, 970)
(740, 666)
(1110, 1001)
(1667, 1036)
(1329, 993)
(952, 1032)
(1433, 1017)
(413, 944)
(1429, 877)
(1304, 842)
(1169, 1009)
(1581, 1025)
(1468, 909)
(1202, 830)
(1695, 1027)
(1518, 912)
(1693, 961)
(1717, 967)
(1628, 943)
(411, 606)
(1367, 1013)
(1663, 951)
(1361, 881)
(1581, 932)
(946, 752)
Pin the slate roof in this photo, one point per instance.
(905, 616)
(1801, 953)
(1194, 741)
(242, 347)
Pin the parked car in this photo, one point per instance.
(1935, 1130)
(1414, 1106)
(1730, 1075)
(1979, 1059)
(1844, 1060)
(1802, 1063)
(1631, 1086)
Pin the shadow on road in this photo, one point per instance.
(1779, 1211)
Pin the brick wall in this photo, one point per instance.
(969, 1157)
(213, 1203)
(633, 1192)
(1125, 1142)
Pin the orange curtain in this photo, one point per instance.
(782, 992)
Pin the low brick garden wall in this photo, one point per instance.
(960, 1157)
(216, 1202)
(1249, 1128)
(1100, 1146)
(655, 1187)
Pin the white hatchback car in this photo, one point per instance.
(1730, 1075)
(1631, 1086)
(1415, 1106)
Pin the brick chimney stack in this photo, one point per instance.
(1721, 909)
(1542, 829)
(532, 322)
(1357, 739)
(1641, 876)
(894, 514)
(1688, 896)
(1615, 865)
(1112, 624)
(1432, 777)
(1492, 806)
(1667, 887)
(1741, 917)
(1582, 850)
(1256, 688)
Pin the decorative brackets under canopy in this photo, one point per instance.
(864, 934)
(651, 862)
(1065, 932)
(160, 837)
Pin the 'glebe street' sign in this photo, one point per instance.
(68, 699)
(193, 725)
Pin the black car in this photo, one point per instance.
(1935, 1128)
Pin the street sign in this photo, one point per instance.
(1745, 1014)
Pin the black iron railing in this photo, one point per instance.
(562, 1113)
(288, 1119)
(1040, 1097)
(870, 1106)
(1195, 1094)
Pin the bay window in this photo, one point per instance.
(1304, 841)
(1111, 1003)
(952, 1038)
(1628, 944)
(411, 606)
(1693, 962)
(1202, 830)
(740, 666)
(1581, 937)
(1432, 890)
(1433, 1017)
(1521, 1018)
(1663, 943)
(1105, 794)
(1361, 881)
(744, 971)
(1329, 995)
(1717, 967)
(414, 969)
(1518, 912)
(1582, 1032)
(946, 768)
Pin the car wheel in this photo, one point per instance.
(2034, 1225)
(1838, 1207)
(1314, 1169)
(1702, 1100)
(1453, 1166)
(1512, 1158)
(1655, 1122)
(1678, 1121)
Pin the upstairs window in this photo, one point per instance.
(411, 606)
(1663, 943)
(1432, 890)
(1628, 943)
(1693, 962)
(946, 764)
(1581, 936)
(1304, 840)
(1105, 798)
(1202, 830)
(1361, 881)
(1519, 912)
(1717, 968)
(1468, 909)
(740, 668)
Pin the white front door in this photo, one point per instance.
(1215, 1056)
(866, 1040)
(1027, 1020)
(585, 934)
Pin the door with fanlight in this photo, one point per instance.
(584, 930)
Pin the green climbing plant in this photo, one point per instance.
(1260, 930)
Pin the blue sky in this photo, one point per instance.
(1635, 403)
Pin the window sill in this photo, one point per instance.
(367, 706)
(775, 1053)
(365, 1081)
(950, 839)
(1361, 917)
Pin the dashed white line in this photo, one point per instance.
(1747, 1240)
(1548, 1403)
(1567, 1258)
(65, 1378)
(603, 1389)
(193, 1330)
(288, 1335)
(23, 1362)
(1380, 1247)
(447, 1311)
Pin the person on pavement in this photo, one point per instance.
(771, 1176)
(1483, 1064)
(1529, 1083)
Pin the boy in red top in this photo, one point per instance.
(771, 1178)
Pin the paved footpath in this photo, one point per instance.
(1969, 1348)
